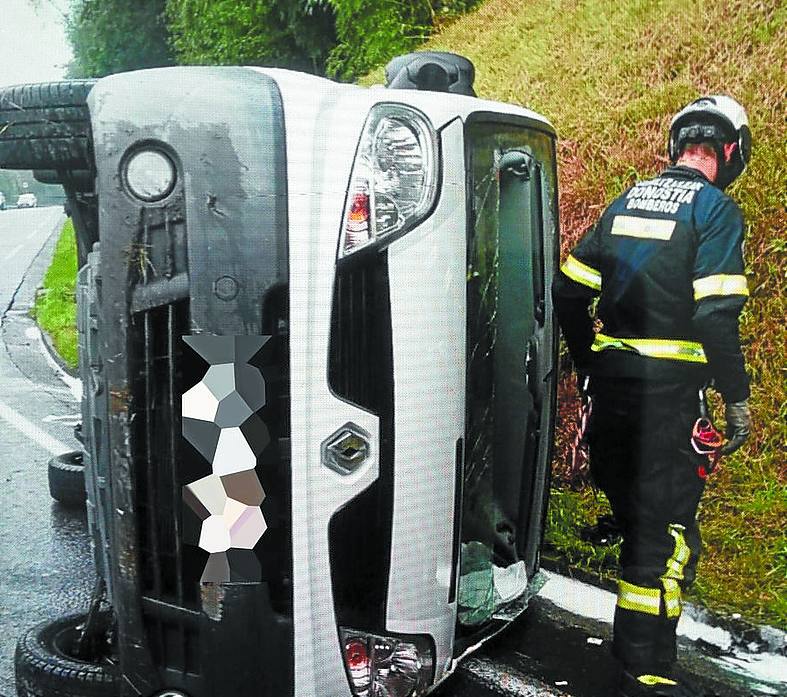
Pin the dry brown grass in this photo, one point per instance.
(609, 76)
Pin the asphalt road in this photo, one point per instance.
(44, 550)
(46, 566)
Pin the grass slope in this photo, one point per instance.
(55, 305)
(609, 76)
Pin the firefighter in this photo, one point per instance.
(666, 264)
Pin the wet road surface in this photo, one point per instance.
(549, 647)
(45, 559)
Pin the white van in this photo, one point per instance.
(320, 358)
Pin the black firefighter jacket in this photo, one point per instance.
(666, 260)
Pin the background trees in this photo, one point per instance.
(338, 38)
(111, 36)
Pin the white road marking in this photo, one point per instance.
(12, 253)
(67, 419)
(14, 419)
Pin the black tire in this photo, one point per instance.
(44, 668)
(77, 179)
(45, 126)
(66, 474)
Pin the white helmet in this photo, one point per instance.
(718, 119)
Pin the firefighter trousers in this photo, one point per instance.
(641, 457)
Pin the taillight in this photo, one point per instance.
(384, 666)
(393, 183)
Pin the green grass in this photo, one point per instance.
(55, 305)
(609, 76)
(568, 512)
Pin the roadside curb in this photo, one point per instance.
(49, 345)
(744, 635)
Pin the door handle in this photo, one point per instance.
(539, 311)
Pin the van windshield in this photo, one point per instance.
(511, 191)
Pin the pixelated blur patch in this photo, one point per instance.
(221, 421)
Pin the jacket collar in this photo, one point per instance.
(686, 173)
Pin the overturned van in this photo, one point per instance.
(319, 365)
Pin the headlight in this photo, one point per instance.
(379, 666)
(394, 178)
(149, 175)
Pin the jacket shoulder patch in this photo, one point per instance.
(646, 228)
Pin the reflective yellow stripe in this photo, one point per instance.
(670, 349)
(720, 284)
(581, 273)
(680, 557)
(655, 680)
(676, 565)
(672, 597)
(639, 598)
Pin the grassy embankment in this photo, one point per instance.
(609, 76)
(55, 308)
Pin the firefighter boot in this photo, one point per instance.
(647, 685)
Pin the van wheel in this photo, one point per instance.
(45, 666)
(66, 475)
(45, 126)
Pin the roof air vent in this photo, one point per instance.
(431, 70)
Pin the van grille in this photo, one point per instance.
(170, 601)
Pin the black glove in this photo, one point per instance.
(738, 425)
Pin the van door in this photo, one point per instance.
(510, 337)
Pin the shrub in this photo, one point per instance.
(111, 36)
(277, 33)
(371, 33)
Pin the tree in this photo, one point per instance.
(280, 33)
(111, 36)
(371, 32)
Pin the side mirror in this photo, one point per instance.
(516, 163)
(436, 71)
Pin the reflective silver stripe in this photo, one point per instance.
(720, 284)
(670, 349)
(644, 228)
(639, 598)
(581, 273)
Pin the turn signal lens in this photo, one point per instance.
(359, 664)
(394, 179)
(357, 231)
(379, 666)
